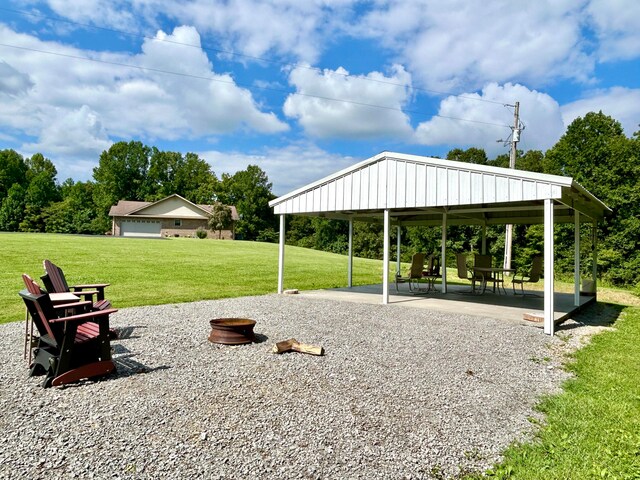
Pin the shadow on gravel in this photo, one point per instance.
(127, 332)
(599, 314)
(260, 338)
(126, 366)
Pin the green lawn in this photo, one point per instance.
(157, 271)
(592, 429)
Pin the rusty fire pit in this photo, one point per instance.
(232, 331)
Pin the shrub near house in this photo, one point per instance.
(169, 217)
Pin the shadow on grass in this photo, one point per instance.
(599, 314)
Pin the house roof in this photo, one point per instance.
(418, 190)
(125, 208)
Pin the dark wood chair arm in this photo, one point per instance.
(85, 293)
(95, 286)
(85, 316)
(84, 303)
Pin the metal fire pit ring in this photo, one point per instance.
(232, 331)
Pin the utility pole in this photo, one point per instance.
(515, 138)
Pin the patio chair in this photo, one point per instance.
(55, 282)
(533, 276)
(35, 289)
(69, 348)
(484, 261)
(415, 273)
(463, 272)
(432, 271)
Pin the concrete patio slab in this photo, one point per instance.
(526, 309)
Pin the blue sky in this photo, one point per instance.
(306, 88)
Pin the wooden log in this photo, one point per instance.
(310, 349)
(284, 346)
(292, 345)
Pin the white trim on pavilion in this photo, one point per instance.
(398, 189)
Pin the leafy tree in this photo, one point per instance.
(597, 154)
(250, 191)
(76, 213)
(531, 161)
(37, 165)
(122, 174)
(12, 209)
(13, 169)
(220, 218)
(188, 176)
(471, 155)
(42, 191)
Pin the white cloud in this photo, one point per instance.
(461, 45)
(249, 27)
(112, 13)
(103, 100)
(288, 168)
(538, 111)
(13, 82)
(321, 116)
(76, 134)
(623, 104)
(617, 26)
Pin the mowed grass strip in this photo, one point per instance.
(157, 271)
(592, 429)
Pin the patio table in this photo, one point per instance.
(492, 274)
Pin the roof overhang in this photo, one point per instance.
(420, 190)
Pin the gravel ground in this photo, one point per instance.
(400, 393)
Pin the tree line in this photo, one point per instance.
(594, 151)
(33, 201)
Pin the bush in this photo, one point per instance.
(201, 233)
(268, 235)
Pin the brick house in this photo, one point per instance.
(173, 216)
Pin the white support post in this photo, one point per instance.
(385, 259)
(281, 257)
(548, 268)
(595, 256)
(443, 257)
(350, 267)
(576, 259)
(398, 235)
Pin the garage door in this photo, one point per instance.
(140, 228)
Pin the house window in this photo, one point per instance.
(177, 222)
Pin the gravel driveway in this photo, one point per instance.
(400, 393)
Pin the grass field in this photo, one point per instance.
(157, 271)
(592, 429)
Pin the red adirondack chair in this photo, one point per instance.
(69, 348)
(55, 282)
(61, 307)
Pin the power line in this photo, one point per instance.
(250, 57)
(244, 85)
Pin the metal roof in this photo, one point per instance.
(418, 190)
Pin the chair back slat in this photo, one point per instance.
(433, 265)
(56, 277)
(536, 270)
(31, 285)
(38, 305)
(482, 261)
(461, 264)
(417, 265)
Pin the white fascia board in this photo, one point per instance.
(327, 179)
